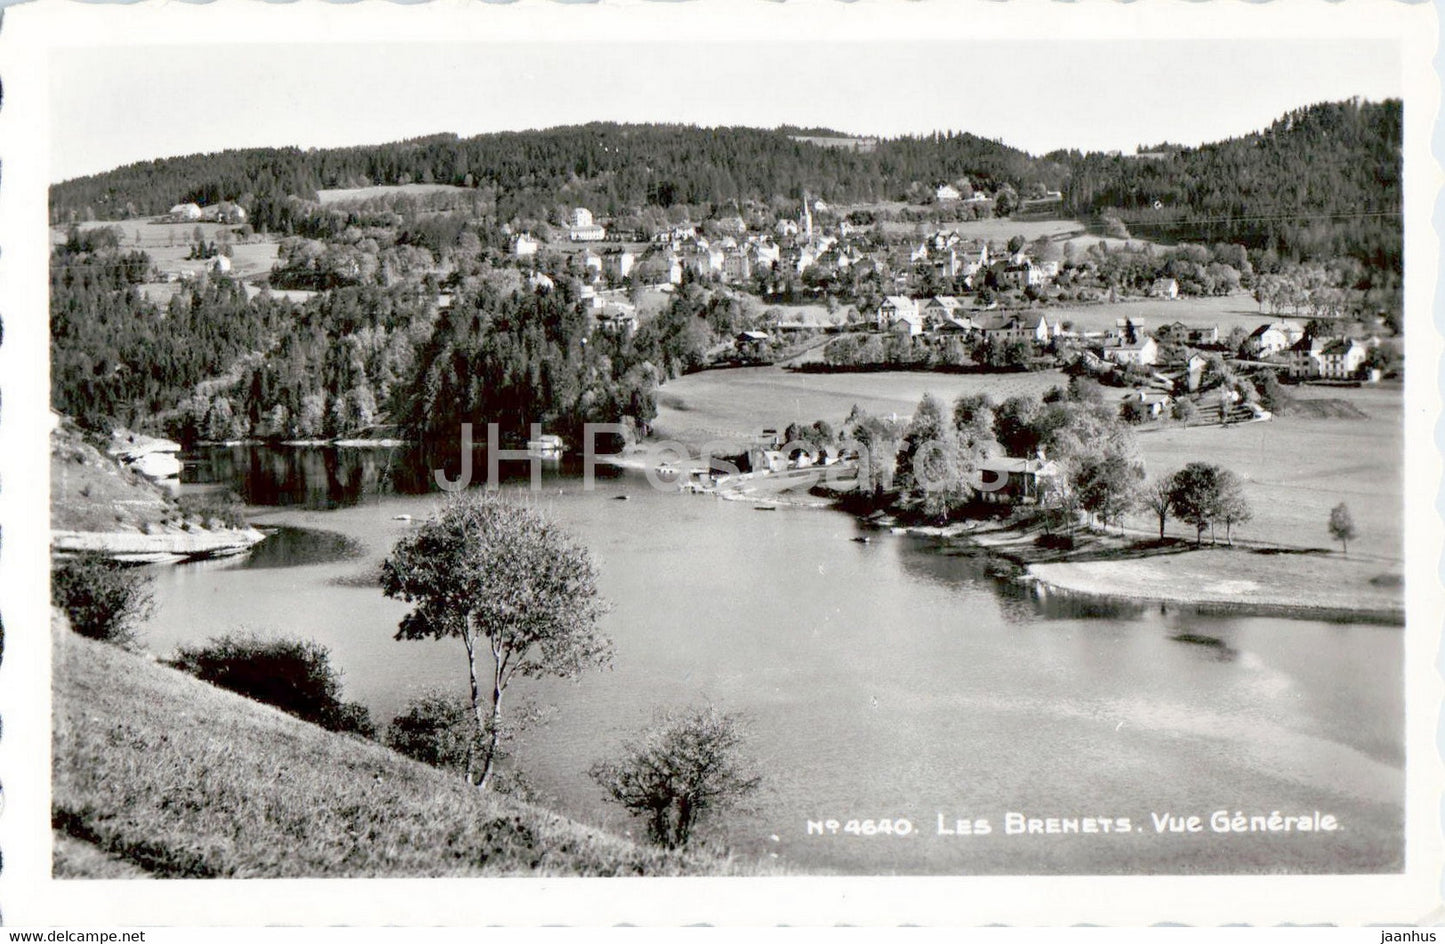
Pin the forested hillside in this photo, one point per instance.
(1320, 182)
(608, 167)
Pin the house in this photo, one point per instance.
(895, 308)
(225, 212)
(703, 260)
(1164, 288)
(764, 253)
(1155, 402)
(939, 309)
(731, 224)
(591, 301)
(1143, 351)
(525, 245)
(766, 460)
(1009, 328)
(183, 213)
(947, 193)
(956, 325)
(1194, 370)
(1325, 358)
(617, 264)
(1342, 359)
(1010, 481)
(945, 263)
(221, 265)
(1205, 335)
(752, 345)
(1016, 275)
(587, 234)
(736, 266)
(617, 319)
(1180, 333)
(1273, 337)
(583, 229)
(591, 264)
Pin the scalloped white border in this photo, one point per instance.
(29, 898)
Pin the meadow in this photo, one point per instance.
(357, 194)
(1298, 466)
(1226, 311)
(157, 773)
(1295, 467)
(737, 404)
(168, 243)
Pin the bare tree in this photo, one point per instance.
(1155, 496)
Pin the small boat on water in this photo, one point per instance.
(862, 539)
(401, 517)
(765, 507)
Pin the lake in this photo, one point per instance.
(894, 680)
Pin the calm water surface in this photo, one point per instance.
(894, 679)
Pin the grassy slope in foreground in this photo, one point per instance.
(155, 769)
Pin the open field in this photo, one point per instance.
(814, 316)
(737, 404)
(1002, 229)
(168, 243)
(367, 193)
(1227, 311)
(155, 770)
(1296, 468)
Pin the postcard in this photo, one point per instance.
(806, 463)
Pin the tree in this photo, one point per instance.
(103, 599)
(687, 765)
(509, 583)
(925, 427)
(1232, 507)
(1184, 410)
(1133, 412)
(1155, 497)
(1194, 496)
(1106, 485)
(1342, 526)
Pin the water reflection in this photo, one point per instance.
(294, 547)
(901, 677)
(324, 478)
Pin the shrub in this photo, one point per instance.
(294, 675)
(436, 729)
(688, 765)
(104, 600)
(1133, 412)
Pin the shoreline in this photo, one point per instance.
(1210, 607)
(1099, 580)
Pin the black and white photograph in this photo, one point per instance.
(590, 442)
